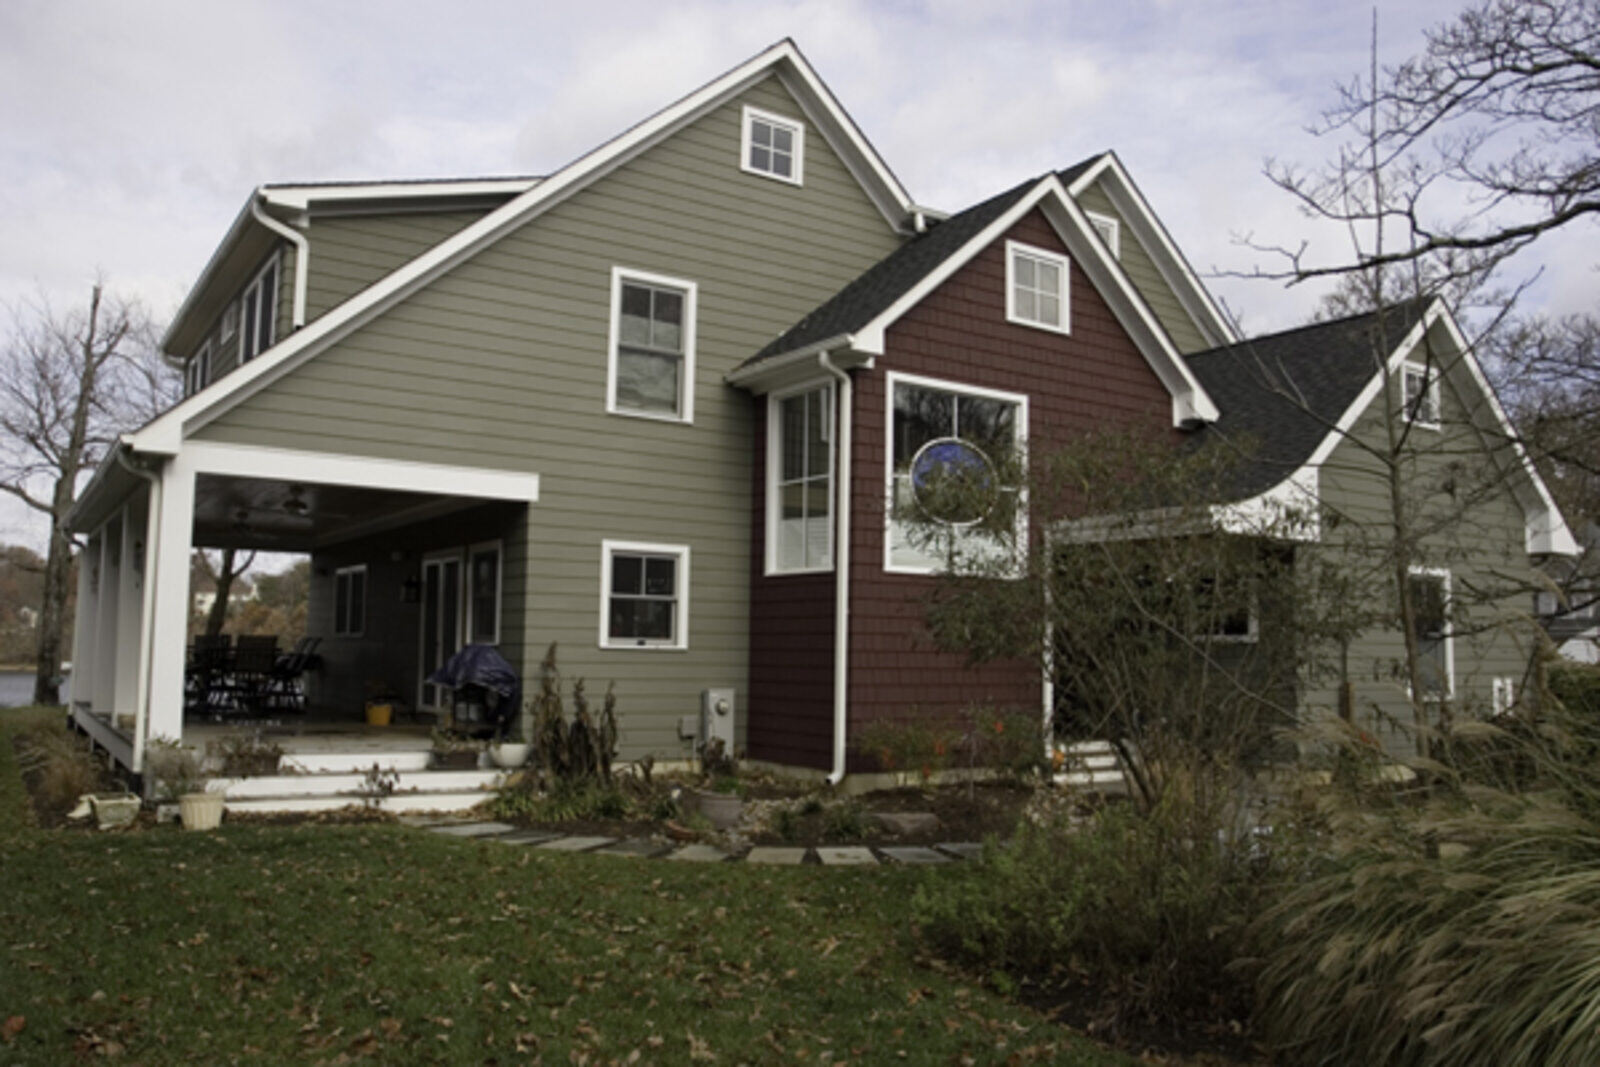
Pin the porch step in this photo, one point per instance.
(354, 785)
(1093, 766)
(394, 802)
(356, 762)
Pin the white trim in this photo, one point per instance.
(301, 197)
(1158, 244)
(680, 626)
(775, 400)
(438, 556)
(499, 589)
(163, 434)
(366, 581)
(250, 332)
(895, 378)
(1063, 294)
(1109, 229)
(795, 127)
(1430, 379)
(686, 383)
(197, 372)
(1449, 636)
(326, 468)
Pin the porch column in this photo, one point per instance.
(171, 536)
(130, 605)
(104, 688)
(86, 622)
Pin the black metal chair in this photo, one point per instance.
(285, 688)
(206, 678)
(254, 657)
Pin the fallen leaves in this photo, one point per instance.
(13, 1026)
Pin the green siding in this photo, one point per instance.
(1475, 532)
(1141, 270)
(502, 363)
(349, 253)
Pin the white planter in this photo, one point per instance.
(112, 810)
(510, 754)
(201, 811)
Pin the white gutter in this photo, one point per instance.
(302, 254)
(152, 565)
(841, 572)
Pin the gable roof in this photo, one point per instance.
(1290, 398)
(164, 434)
(855, 318)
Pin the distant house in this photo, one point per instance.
(659, 407)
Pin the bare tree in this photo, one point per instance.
(221, 573)
(69, 383)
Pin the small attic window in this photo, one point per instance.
(772, 146)
(1421, 396)
(1110, 231)
(1036, 287)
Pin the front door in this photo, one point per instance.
(441, 624)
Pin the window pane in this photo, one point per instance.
(269, 285)
(760, 133)
(1049, 309)
(358, 601)
(634, 328)
(485, 592)
(1027, 305)
(1049, 278)
(647, 619)
(647, 382)
(1023, 271)
(791, 438)
(660, 575)
(341, 603)
(817, 454)
(792, 531)
(783, 140)
(627, 573)
(920, 415)
(760, 158)
(249, 320)
(988, 423)
(782, 165)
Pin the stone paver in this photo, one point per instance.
(846, 856)
(640, 847)
(698, 853)
(961, 850)
(526, 837)
(473, 829)
(577, 844)
(913, 854)
(906, 822)
(785, 857)
(428, 820)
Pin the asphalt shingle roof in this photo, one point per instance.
(1280, 395)
(874, 291)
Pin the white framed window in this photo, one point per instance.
(644, 595)
(1109, 229)
(1230, 615)
(483, 593)
(197, 373)
(944, 434)
(1036, 287)
(1430, 608)
(651, 363)
(1504, 694)
(259, 311)
(1421, 395)
(350, 601)
(800, 480)
(230, 321)
(773, 146)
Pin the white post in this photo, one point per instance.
(172, 536)
(86, 622)
(105, 667)
(125, 684)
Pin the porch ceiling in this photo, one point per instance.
(232, 512)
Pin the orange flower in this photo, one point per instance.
(927, 771)
(999, 726)
(938, 748)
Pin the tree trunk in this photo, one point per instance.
(217, 617)
(53, 605)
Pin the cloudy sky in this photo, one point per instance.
(131, 132)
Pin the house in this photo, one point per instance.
(655, 407)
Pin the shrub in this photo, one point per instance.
(1007, 742)
(1577, 686)
(1144, 909)
(60, 766)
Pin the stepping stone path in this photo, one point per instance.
(697, 852)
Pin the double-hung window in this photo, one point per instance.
(197, 375)
(350, 601)
(652, 346)
(773, 146)
(800, 481)
(1421, 395)
(259, 312)
(483, 594)
(1430, 611)
(955, 469)
(1036, 287)
(644, 595)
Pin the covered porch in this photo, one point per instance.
(408, 562)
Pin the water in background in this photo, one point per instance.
(16, 689)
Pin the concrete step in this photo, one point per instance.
(394, 802)
(329, 784)
(356, 761)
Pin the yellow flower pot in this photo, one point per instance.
(379, 714)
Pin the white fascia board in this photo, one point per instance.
(241, 222)
(163, 434)
(301, 197)
(1153, 235)
(325, 468)
(778, 371)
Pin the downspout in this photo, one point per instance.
(841, 571)
(302, 256)
(152, 564)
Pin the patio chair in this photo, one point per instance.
(205, 679)
(285, 690)
(254, 657)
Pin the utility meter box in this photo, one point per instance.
(717, 718)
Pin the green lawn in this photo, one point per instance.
(335, 944)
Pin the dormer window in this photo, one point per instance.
(259, 312)
(1110, 231)
(772, 146)
(197, 375)
(1036, 287)
(1421, 395)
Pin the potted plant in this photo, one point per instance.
(511, 751)
(179, 776)
(719, 802)
(451, 751)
